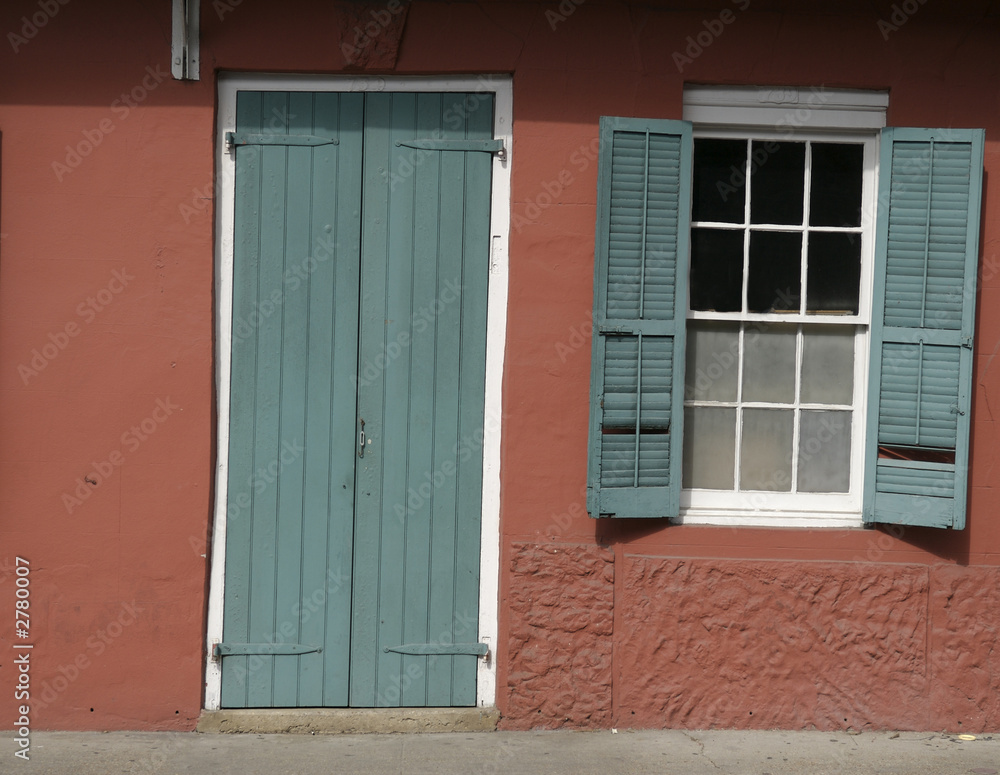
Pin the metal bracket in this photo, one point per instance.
(486, 146)
(258, 138)
(262, 649)
(185, 46)
(445, 649)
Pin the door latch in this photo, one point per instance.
(361, 440)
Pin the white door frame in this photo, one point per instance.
(496, 334)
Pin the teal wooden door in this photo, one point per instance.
(361, 253)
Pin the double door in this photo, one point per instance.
(361, 260)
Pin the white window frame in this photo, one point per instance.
(496, 334)
(795, 115)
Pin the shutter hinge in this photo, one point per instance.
(495, 146)
(966, 342)
(260, 138)
(434, 649)
(268, 649)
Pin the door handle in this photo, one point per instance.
(361, 440)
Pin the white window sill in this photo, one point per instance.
(768, 518)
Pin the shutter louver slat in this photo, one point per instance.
(923, 313)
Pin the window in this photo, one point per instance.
(776, 328)
(783, 314)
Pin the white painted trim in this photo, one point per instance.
(496, 336)
(785, 107)
(769, 519)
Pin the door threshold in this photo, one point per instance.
(354, 721)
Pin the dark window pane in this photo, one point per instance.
(777, 180)
(717, 270)
(775, 280)
(834, 273)
(719, 180)
(835, 199)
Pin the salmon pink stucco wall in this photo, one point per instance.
(108, 357)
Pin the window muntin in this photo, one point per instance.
(777, 340)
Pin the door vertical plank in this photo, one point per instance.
(315, 281)
(246, 226)
(475, 278)
(267, 437)
(448, 442)
(337, 220)
(318, 285)
(423, 474)
(395, 400)
(289, 302)
(368, 496)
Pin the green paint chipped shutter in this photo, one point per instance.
(923, 312)
(640, 303)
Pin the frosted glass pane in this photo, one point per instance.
(766, 450)
(769, 364)
(709, 447)
(824, 451)
(828, 364)
(712, 361)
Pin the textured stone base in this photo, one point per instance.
(559, 660)
(748, 644)
(323, 721)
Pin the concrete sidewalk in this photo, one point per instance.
(509, 753)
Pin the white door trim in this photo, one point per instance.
(496, 335)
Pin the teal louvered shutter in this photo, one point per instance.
(640, 303)
(923, 313)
